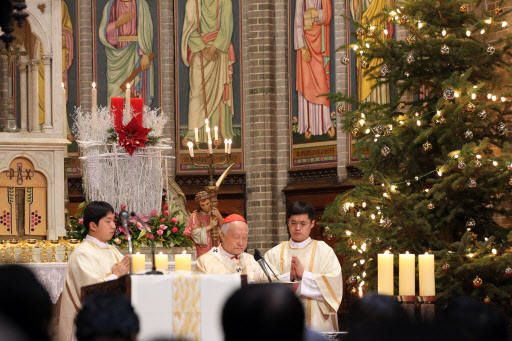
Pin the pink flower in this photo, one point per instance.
(162, 220)
(153, 212)
(160, 232)
(174, 229)
(163, 227)
(123, 207)
(139, 225)
(174, 220)
(118, 241)
(166, 213)
(166, 206)
(150, 237)
(187, 231)
(80, 221)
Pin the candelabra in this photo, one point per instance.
(11, 10)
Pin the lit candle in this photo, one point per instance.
(127, 97)
(196, 131)
(162, 261)
(216, 130)
(385, 273)
(229, 146)
(137, 105)
(208, 134)
(190, 148)
(183, 262)
(210, 149)
(226, 146)
(426, 275)
(94, 97)
(116, 110)
(139, 262)
(406, 274)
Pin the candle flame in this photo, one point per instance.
(94, 85)
(127, 85)
(406, 252)
(138, 253)
(184, 253)
(190, 144)
(386, 252)
(426, 253)
(196, 130)
(206, 121)
(62, 84)
(215, 128)
(160, 253)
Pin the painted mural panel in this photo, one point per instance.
(312, 56)
(208, 78)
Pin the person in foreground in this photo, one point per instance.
(107, 317)
(230, 257)
(93, 261)
(314, 264)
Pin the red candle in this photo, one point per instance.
(136, 104)
(116, 110)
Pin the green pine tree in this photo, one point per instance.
(437, 159)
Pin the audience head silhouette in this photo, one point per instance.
(25, 303)
(107, 317)
(263, 312)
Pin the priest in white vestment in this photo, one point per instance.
(314, 264)
(93, 261)
(230, 257)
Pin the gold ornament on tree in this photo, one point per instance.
(470, 107)
(404, 19)
(401, 105)
(498, 10)
(341, 109)
(427, 146)
(365, 64)
(463, 9)
(487, 300)
(477, 282)
(345, 60)
(431, 206)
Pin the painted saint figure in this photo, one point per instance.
(202, 222)
(218, 56)
(126, 30)
(311, 40)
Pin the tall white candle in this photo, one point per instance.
(229, 146)
(406, 275)
(210, 149)
(426, 275)
(226, 146)
(196, 132)
(190, 148)
(216, 130)
(94, 96)
(385, 274)
(127, 98)
(208, 134)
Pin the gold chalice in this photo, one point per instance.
(31, 244)
(54, 244)
(64, 242)
(3, 246)
(12, 244)
(73, 243)
(44, 244)
(23, 246)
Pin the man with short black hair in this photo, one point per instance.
(93, 261)
(314, 264)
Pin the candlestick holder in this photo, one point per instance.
(64, 242)
(73, 243)
(3, 246)
(408, 304)
(427, 307)
(54, 244)
(44, 244)
(31, 244)
(23, 246)
(12, 244)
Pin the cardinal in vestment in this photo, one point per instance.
(93, 261)
(230, 257)
(314, 264)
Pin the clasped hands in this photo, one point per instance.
(121, 268)
(297, 269)
(216, 218)
(210, 52)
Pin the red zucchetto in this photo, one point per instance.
(233, 217)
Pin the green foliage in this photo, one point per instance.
(424, 196)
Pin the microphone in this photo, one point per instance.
(153, 267)
(124, 220)
(259, 259)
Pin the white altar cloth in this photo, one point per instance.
(181, 304)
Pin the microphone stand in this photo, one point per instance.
(268, 266)
(124, 220)
(153, 267)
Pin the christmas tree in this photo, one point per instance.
(436, 159)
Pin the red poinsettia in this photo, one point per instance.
(133, 136)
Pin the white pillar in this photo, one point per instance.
(34, 94)
(47, 126)
(22, 65)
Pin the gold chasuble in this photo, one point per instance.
(88, 264)
(219, 261)
(319, 259)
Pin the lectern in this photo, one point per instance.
(183, 305)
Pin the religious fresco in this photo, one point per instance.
(126, 48)
(312, 58)
(209, 85)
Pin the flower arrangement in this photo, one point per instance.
(166, 228)
(132, 136)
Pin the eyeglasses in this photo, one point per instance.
(299, 223)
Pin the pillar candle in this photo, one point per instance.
(406, 275)
(94, 98)
(226, 146)
(162, 261)
(183, 262)
(426, 275)
(116, 110)
(210, 149)
(385, 273)
(196, 132)
(127, 97)
(208, 133)
(229, 146)
(139, 262)
(190, 148)
(137, 106)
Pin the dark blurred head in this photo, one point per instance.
(470, 320)
(107, 317)
(25, 302)
(263, 312)
(377, 317)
